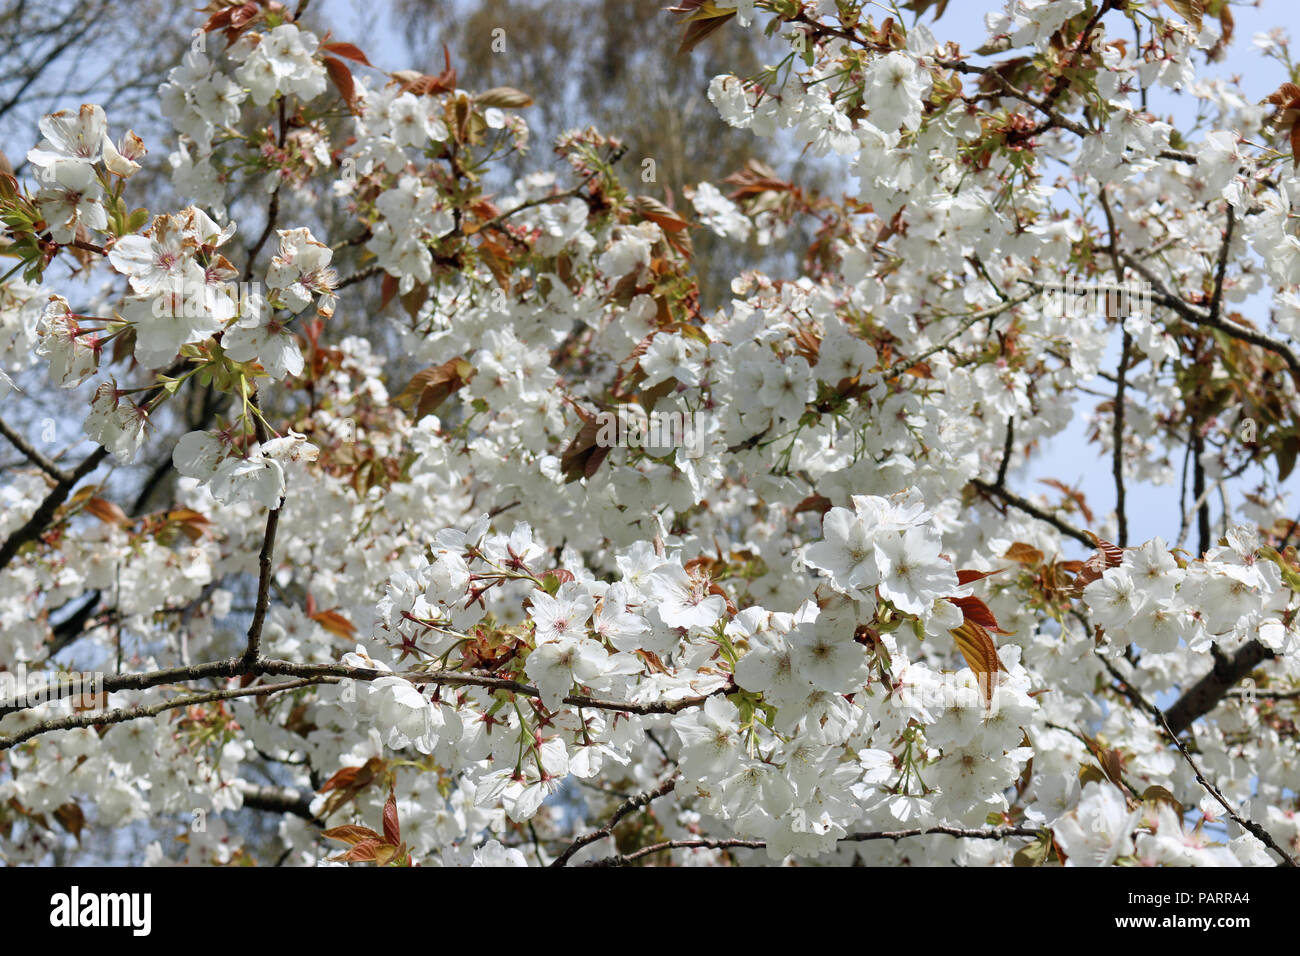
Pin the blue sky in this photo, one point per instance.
(1151, 510)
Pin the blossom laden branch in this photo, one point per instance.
(311, 673)
(1162, 722)
(122, 714)
(1193, 315)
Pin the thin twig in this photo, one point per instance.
(996, 833)
(122, 714)
(1159, 716)
(30, 453)
(1030, 508)
(902, 365)
(635, 803)
(243, 667)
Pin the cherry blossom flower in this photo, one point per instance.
(77, 139)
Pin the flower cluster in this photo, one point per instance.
(422, 586)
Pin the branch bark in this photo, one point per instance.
(44, 514)
(996, 833)
(1029, 508)
(1163, 723)
(1203, 696)
(309, 673)
(635, 803)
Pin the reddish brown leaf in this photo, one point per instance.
(559, 576)
(818, 503)
(387, 289)
(71, 818)
(663, 217)
(423, 84)
(1112, 764)
(1113, 554)
(234, 19)
(973, 609)
(190, 523)
(1284, 94)
(716, 588)
(351, 834)
(392, 830)
(335, 623)
(107, 512)
(583, 456)
(703, 21)
(1190, 10)
(1106, 556)
(505, 97)
(1091, 571)
(1022, 553)
(342, 79)
(363, 852)
(981, 655)
(967, 576)
(347, 50)
(353, 777)
(1072, 494)
(433, 386)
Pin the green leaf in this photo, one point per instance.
(1036, 853)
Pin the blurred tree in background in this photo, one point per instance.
(615, 64)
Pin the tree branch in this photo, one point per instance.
(310, 673)
(1158, 715)
(996, 833)
(1196, 317)
(122, 714)
(1030, 508)
(902, 365)
(277, 800)
(1121, 381)
(30, 453)
(1203, 696)
(634, 803)
(44, 514)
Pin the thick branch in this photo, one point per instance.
(277, 800)
(1203, 696)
